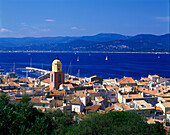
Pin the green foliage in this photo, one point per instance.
(22, 118)
(115, 123)
(62, 121)
(48, 95)
(65, 100)
(4, 99)
(25, 99)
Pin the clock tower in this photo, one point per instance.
(56, 75)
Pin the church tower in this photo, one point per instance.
(56, 75)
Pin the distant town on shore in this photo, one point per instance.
(104, 42)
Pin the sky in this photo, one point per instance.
(50, 18)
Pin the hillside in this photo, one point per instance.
(100, 42)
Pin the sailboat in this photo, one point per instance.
(106, 58)
(77, 58)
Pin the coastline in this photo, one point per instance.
(1, 51)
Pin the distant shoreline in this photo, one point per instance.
(78, 52)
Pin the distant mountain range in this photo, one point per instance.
(101, 42)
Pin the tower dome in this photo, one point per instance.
(57, 65)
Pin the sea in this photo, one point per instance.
(106, 65)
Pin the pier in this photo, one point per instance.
(31, 69)
(1, 70)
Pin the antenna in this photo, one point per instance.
(69, 68)
(78, 73)
(26, 74)
(31, 62)
(14, 67)
(57, 57)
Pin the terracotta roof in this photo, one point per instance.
(111, 108)
(158, 108)
(167, 99)
(146, 79)
(152, 121)
(168, 112)
(69, 96)
(132, 96)
(127, 80)
(75, 102)
(58, 92)
(100, 98)
(166, 104)
(92, 108)
(36, 99)
(155, 76)
(69, 85)
(108, 80)
(23, 79)
(58, 102)
(152, 92)
(80, 93)
(122, 106)
(47, 80)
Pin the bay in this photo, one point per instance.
(117, 65)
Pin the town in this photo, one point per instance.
(149, 96)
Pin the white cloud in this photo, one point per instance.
(164, 19)
(49, 20)
(74, 28)
(5, 30)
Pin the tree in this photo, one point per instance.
(25, 98)
(115, 123)
(4, 98)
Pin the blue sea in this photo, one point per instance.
(117, 65)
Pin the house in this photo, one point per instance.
(68, 87)
(129, 97)
(94, 108)
(99, 100)
(122, 107)
(154, 78)
(40, 101)
(45, 82)
(58, 94)
(142, 107)
(110, 108)
(96, 79)
(165, 106)
(168, 116)
(76, 105)
(126, 81)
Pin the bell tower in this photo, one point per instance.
(56, 75)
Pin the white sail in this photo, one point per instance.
(106, 58)
(77, 58)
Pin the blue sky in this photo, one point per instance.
(50, 18)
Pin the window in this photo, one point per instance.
(59, 78)
(51, 77)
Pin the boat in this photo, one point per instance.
(1, 70)
(77, 58)
(106, 58)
